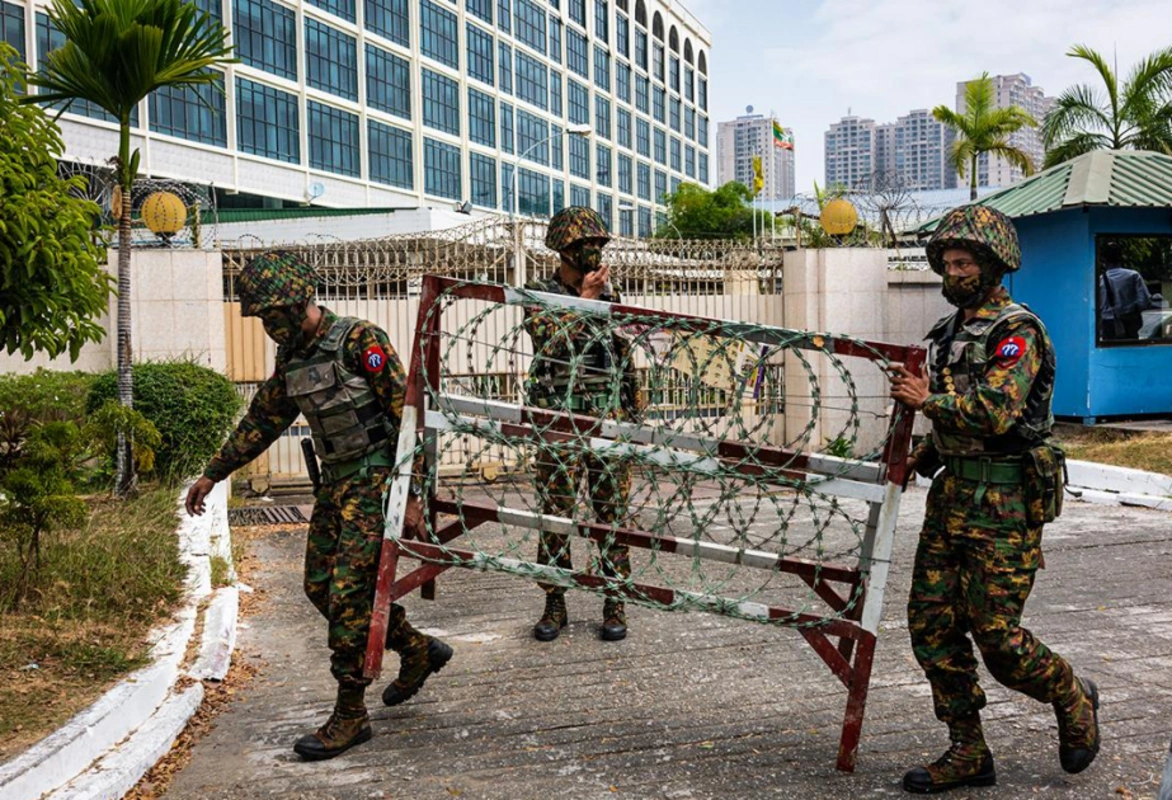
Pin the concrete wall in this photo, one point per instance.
(177, 299)
(914, 303)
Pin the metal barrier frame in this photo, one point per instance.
(854, 624)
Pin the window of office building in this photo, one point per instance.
(602, 155)
(481, 55)
(690, 161)
(556, 148)
(388, 82)
(558, 196)
(602, 117)
(555, 93)
(508, 139)
(505, 62)
(481, 9)
(677, 161)
(391, 160)
(623, 128)
(577, 53)
(644, 187)
(601, 69)
(504, 15)
(644, 222)
(690, 123)
(626, 220)
(12, 28)
(441, 170)
(388, 18)
(660, 186)
(642, 92)
(333, 139)
(703, 123)
(532, 136)
(50, 38)
(579, 195)
(339, 8)
(533, 193)
(195, 113)
(703, 172)
(622, 81)
(643, 137)
(481, 118)
(331, 60)
(580, 157)
(577, 9)
(555, 40)
(507, 187)
(482, 180)
(660, 146)
(659, 104)
(532, 81)
(673, 74)
(689, 84)
(674, 116)
(439, 36)
(578, 102)
(622, 35)
(441, 102)
(267, 122)
(657, 68)
(602, 20)
(703, 94)
(641, 49)
(530, 24)
(265, 34)
(606, 210)
(623, 164)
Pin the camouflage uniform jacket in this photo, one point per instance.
(989, 407)
(564, 340)
(367, 351)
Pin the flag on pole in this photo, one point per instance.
(781, 138)
(758, 176)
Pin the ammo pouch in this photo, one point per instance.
(1044, 473)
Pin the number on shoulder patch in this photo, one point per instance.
(1011, 349)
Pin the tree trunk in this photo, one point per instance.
(124, 480)
(973, 188)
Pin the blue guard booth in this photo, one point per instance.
(1067, 218)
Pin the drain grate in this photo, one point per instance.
(265, 515)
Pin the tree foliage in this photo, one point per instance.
(984, 128)
(725, 213)
(1136, 114)
(52, 283)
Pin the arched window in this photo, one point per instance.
(673, 40)
(657, 26)
(640, 13)
(703, 64)
(688, 51)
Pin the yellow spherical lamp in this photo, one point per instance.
(839, 217)
(164, 214)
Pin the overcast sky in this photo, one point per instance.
(810, 62)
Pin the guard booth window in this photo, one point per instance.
(1133, 276)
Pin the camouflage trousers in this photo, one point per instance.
(341, 568)
(559, 473)
(974, 569)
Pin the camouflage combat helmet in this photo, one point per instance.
(274, 280)
(574, 224)
(985, 231)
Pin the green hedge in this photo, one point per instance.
(47, 396)
(192, 407)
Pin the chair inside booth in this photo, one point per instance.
(1133, 276)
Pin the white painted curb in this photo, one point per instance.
(104, 750)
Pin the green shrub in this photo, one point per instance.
(47, 396)
(192, 407)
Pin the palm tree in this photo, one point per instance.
(117, 52)
(1136, 115)
(984, 128)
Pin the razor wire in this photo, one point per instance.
(726, 445)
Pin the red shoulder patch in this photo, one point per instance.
(374, 359)
(1010, 350)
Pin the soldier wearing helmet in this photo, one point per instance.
(344, 377)
(997, 478)
(580, 369)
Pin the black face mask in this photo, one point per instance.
(588, 258)
(969, 291)
(284, 325)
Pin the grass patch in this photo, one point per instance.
(221, 572)
(1151, 452)
(83, 622)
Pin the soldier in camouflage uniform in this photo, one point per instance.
(579, 369)
(344, 377)
(987, 393)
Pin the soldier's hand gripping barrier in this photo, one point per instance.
(748, 470)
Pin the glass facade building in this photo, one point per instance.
(404, 103)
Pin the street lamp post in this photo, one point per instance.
(518, 261)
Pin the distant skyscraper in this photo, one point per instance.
(1016, 90)
(920, 152)
(752, 135)
(850, 152)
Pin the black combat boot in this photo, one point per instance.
(967, 762)
(419, 657)
(347, 726)
(1078, 725)
(614, 621)
(553, 619)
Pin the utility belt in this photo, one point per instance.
(332, 473)
(1040, 471)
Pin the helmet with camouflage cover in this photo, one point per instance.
(988, 233)
(274, 280)
(574, 224)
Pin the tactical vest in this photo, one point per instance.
(959, 358)
(343, 412)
